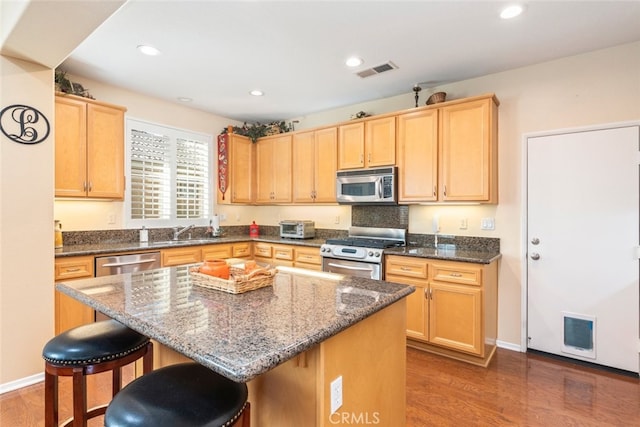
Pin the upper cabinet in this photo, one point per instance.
(449, 154)
(89, 148)
(314, 166)
(273, 169)
(369, 143)
(239, 152)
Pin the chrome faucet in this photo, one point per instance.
(177, 232)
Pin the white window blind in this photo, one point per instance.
(169, 175)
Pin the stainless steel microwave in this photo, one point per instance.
(368, 186)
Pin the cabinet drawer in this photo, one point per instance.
(456, 272)
(216, 252)
(180, 256)
(308, 256)
(262, 250)
(73, 268)
(283, 252)
(406, 266)
(241, 250)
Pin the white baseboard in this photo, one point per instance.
(509, 346)
(22, 382)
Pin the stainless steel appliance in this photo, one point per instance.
(107, 266)
(367, 186)
(360, 254)
(120, 264)
(295, 229)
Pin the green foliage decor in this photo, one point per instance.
(258, 130)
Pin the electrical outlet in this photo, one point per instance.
(337, 220)
(336, 394)
(223, 217)
(111, 219)
(488, 224)
(463, 224)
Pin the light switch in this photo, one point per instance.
(488, 224)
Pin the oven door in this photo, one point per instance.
(352, 268)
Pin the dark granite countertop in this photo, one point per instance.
(239, 336)
(115, 247)
(446, 253)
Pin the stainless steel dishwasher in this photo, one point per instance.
(120, 264)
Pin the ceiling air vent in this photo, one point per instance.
(387, 66)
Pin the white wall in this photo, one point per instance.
(26, 225)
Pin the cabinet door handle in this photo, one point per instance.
(73, 269)
(84, 185)
(434, 191)
(426, 293)
(445, 191)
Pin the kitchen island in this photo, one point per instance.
(289, 341)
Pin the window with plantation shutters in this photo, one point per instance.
(169, 175)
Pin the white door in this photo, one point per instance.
(582, 245)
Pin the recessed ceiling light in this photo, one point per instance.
(184, 99)
(511, 11)
(256, 92)
(354, 61)
(148, 50)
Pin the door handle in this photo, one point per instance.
(535, 241)
(535, 256)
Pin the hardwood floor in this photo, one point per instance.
(515, 390)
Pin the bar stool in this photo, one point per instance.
(90, 349)
(186, 394)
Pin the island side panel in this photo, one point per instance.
(371, 358)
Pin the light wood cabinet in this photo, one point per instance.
(449, 154)
(180, 256)
(418, 156)
(469, 152)
(288, 255)
(69, 312)
(241, 250)
(240, 160)
(273, 170)
(89, 148)
(220, 251)
(307, 257)
(369, 143)
(315, 156)
(454, 309)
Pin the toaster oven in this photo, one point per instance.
(295, 229)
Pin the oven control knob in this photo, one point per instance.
(370, 253)
(377, 254)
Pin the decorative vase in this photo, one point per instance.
(215, 267)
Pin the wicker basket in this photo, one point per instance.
(238, 282)
(436, 98)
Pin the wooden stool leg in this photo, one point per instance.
(79, 398)
(147, 360)
(50, 399)
(116, 381)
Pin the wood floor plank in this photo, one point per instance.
(516, 389)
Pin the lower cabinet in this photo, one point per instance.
(180, 256)
(454, 308)
(288, 255)
(70, 313)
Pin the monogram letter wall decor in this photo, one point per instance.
(24, 124)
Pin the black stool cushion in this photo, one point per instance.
(93, 343)
(187, 394)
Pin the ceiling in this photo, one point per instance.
(216, 52)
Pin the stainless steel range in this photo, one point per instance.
(360, 254)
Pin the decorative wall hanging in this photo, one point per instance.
(223, 163)
(24, 124)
